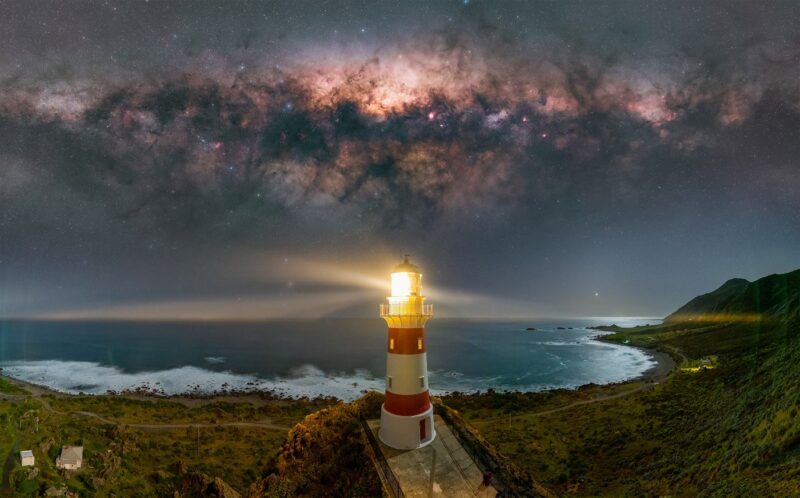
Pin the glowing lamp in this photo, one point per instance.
(401, 284)
(406, 280)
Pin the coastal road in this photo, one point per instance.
(263, 424)
(598, 399)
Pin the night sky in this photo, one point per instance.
(206, 159)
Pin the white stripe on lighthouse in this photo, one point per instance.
(405, 371)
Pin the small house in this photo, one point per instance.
(26, 456)
(71, 458)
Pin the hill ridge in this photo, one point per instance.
(773, 297)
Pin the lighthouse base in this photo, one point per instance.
(407, 432)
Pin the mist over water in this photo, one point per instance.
(336, 357)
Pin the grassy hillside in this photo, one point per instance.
(771, 297)
(728, 428)
(213, 440)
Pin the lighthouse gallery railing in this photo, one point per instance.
(389, 309)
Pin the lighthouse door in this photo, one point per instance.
(422, 433)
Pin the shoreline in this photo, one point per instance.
(663, 366)
(189, 400)
(664, 363)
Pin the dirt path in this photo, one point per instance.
(38, 395)
(266, 424)
(13, 397)
(598, 399)
(673, 349)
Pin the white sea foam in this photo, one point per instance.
(214, 360)
(308, 380)
(93, 378)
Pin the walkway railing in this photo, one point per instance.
(391, 480)
(479, 457)
(476, 452)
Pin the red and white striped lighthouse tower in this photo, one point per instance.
(407, 414)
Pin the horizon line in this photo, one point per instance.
(297, 318)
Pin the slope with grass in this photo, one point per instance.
(733, 430)
(774, 297)
(214, 447)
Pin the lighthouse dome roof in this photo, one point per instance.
(406, 266)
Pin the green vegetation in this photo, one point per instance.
(125, 460)
(325, 455)
(164, 411)
(7, 387)
(733, 430)
(775, 297)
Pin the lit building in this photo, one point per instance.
(407, 414)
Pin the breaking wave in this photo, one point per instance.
(75, 377)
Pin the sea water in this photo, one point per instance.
(329, 357)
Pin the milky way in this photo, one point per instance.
(560, 144)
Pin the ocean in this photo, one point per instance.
(329, 357)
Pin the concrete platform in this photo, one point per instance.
(454, 472)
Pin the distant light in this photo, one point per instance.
(596, 294)
(431, 116)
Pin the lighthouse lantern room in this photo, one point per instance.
(407, 414)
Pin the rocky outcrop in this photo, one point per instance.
(324, 455)
(179, 482)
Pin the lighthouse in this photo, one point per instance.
(406, 414)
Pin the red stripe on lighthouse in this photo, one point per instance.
(406, 341)
(407, 404)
